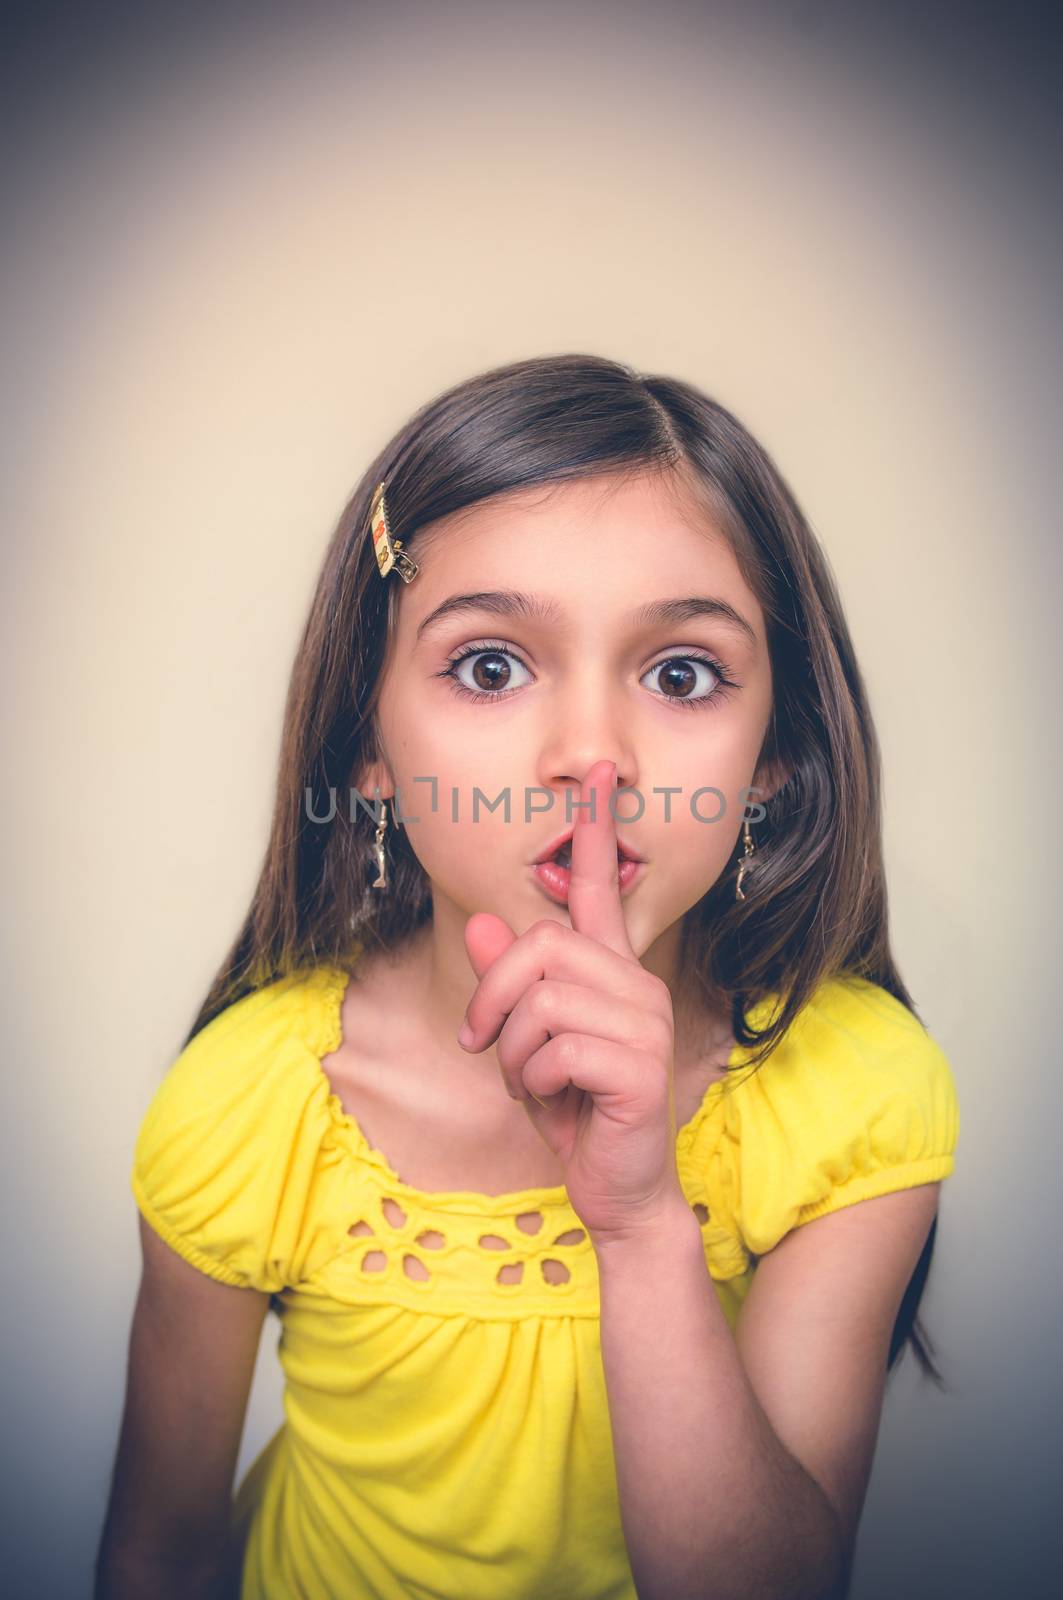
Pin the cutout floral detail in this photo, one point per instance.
(552, 1270)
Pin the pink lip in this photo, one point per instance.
(555, 879)
(625, 850)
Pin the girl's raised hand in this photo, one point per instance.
(578, 1021)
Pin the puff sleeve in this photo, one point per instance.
(234, 1152)
(857, 1101)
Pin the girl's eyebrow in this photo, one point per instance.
(513, 603)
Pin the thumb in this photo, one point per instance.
(486, 936)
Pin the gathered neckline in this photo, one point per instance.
(332, 983)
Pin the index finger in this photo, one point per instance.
(594, 903)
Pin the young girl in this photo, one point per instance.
(560, 1093)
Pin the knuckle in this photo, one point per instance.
(538, 997)
(659, 991)
(659, 998)
(546, 934)
(568, 1047)
(659, 1034)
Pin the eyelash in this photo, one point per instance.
(725, 683)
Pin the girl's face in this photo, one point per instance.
(527, 649)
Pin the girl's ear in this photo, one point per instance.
(371, 777)
(373, 773)
(768, 779)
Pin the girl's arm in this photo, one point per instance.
(191, 1359)
(742, 1462)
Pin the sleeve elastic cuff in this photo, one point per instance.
(189, 1252)
(870, 1185)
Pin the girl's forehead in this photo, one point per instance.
(638, 523)
(633, 502)
(590, 542)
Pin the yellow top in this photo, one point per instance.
(447, 1429)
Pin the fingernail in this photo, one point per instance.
(466, 1035)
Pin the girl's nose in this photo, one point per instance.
(577, 739)
(574, 783)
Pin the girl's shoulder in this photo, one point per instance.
(230, 1145)
(253, 1040)
(850, 1021)
(851, 1033)
(857, 1100)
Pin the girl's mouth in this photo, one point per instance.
(555, 875)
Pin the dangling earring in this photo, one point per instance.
(744, 863)
(381, 879)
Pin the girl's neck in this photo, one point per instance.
(434, 965)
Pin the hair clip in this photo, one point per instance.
(388, 551)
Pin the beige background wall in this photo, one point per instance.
(237, 254)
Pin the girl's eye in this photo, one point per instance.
(492, 677)
(678, 681)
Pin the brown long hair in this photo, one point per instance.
(815, 904)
